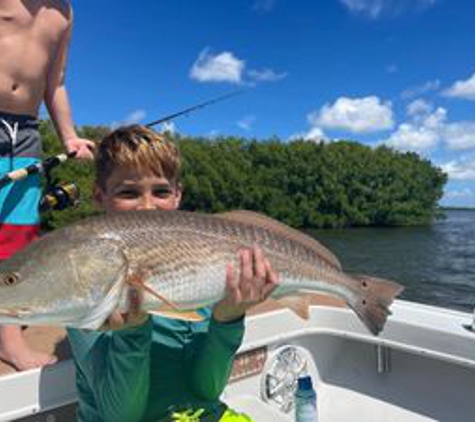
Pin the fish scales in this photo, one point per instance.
(211, 228)
(181, 256)
(304, 265)
(212, 235)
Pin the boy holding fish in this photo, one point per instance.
(34, 38)
(154, 367)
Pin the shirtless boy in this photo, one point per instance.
(34, 38)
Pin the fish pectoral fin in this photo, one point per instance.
(181, 315)
(299, 305)
(136, 281)
(159, 296)
(170, 309)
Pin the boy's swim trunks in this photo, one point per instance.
(20, 146)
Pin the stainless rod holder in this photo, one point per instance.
(383, 359)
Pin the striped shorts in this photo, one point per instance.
(20, 146)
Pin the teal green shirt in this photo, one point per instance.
(139, 374)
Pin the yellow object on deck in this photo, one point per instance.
(187, 416)
(194, 416)
(231, 416)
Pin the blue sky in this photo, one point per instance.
(400, 72)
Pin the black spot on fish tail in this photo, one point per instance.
(374, 298)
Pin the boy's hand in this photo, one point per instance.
(254, 284)
(84, 148)
(135, 316)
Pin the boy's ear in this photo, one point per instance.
(98, 196)
(178, 195)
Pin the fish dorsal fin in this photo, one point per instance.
(260, 220)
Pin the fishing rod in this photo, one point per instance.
(58, 196)
(61, 196)
(55, 160)
(196, 107)
(40, 167)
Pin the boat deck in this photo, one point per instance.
(53, 339)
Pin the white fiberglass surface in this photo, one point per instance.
(413, 388)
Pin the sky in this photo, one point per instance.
(394, 72)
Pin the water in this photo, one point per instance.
(436, 264)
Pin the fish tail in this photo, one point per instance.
(373, 299)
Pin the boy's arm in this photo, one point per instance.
(115, 371)
(57, 101)
(213, 358)
(215, 351)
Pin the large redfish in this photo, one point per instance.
(76, 276)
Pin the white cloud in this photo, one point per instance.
(412, 137)
(435, 120)
(460, 135)
(423, 133)
(226, 67)
(357, 115)
(461, 169)
(132, 118)
(415, 91)
(376, 8)
(266, 75)
(460, 196)
(214, 133)
(315, 134)
(222, 67)
(427, 128)
(465, 193)
(169, 127)
(247, 122)
(462, 89)
(418, 108)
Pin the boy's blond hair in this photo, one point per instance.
(137, 147)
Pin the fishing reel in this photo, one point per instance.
(58, 197)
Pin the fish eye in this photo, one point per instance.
(9, 279)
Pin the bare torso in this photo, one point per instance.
(30, 33)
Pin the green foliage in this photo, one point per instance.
(301, 183)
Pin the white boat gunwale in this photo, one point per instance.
(416, 329)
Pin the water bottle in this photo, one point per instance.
(305, 401)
